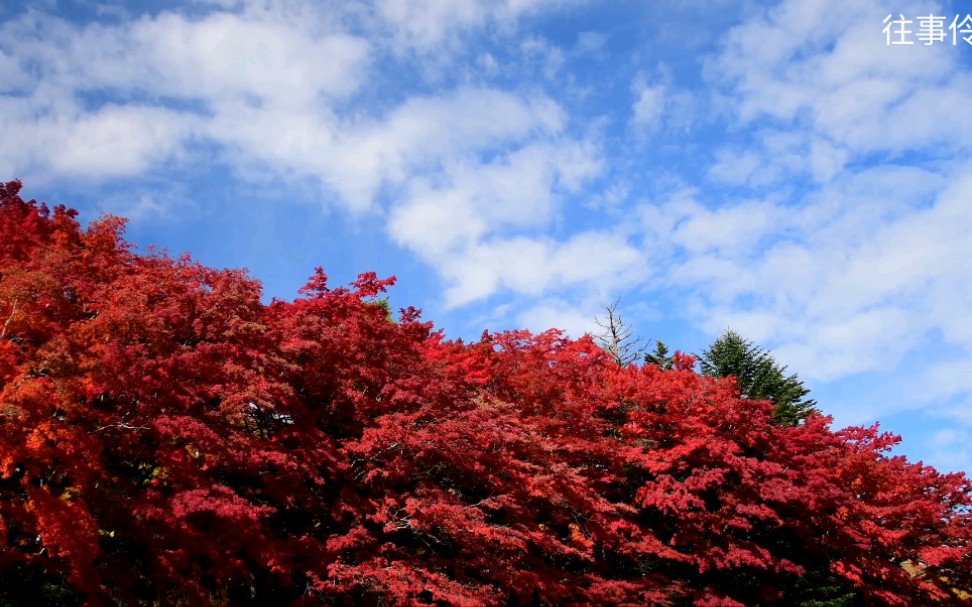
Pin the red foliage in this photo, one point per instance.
(166, 438)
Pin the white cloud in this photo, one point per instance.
(12, 75)
(267, 56)
(946, 379)
(862, 341)
(591, 42)
(356, 158)
(171, 204)
(551, 57)
(826, 160)
(427, 25)
(559, 314)
(117, 141)
(454, 220)
(264, 84)
(465, 170)
(225, 57)
(950, 449)
(947, 437)
(649, 105)
(727, 227)
(850, 270)
(734, 167)
(112, 141)
(429, 132)
(599, 261)
(171, 80)
(436, 222)
(800, 64)
(845, 280)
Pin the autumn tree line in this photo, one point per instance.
(757, 374)
(167, 438)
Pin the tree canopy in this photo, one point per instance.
(660, 356)
(168, 439)
(758, 376)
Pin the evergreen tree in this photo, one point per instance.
(660, 357)
(758, 376)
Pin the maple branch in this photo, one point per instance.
(122, 426)
(3, 332)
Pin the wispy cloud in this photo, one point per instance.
(648, 108)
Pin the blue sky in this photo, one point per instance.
(774, 167)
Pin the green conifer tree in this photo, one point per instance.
(660, 357)
(758, 376)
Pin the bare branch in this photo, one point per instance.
(6, 325)
(617, 337)
(122, 426)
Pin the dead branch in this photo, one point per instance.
(617, 338)
(6, 325)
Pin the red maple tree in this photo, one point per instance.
(168, 439)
